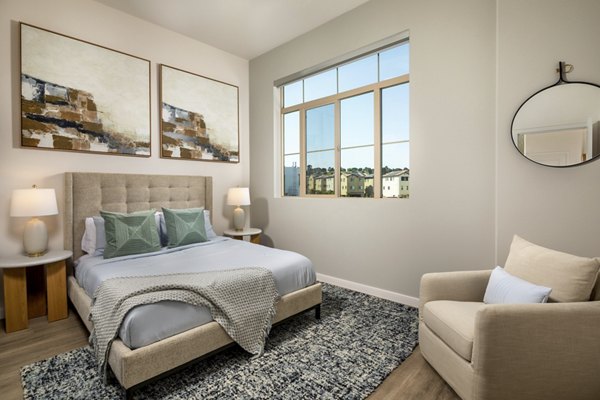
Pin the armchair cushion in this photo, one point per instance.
(570, 277)
(454, 323)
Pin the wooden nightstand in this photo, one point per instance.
(254, 234)
(25, 294)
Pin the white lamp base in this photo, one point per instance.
(239, 218)
(35, 237)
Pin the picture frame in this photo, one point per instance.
(199, 117)
(80, 96)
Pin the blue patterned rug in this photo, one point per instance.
(359, 340)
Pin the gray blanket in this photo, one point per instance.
(241, 300)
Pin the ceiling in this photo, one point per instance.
(246, 28)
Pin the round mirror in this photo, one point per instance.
(559, 125)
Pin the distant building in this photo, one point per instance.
(291, 181)
(319, 184)
(330, 184)
(324, 184)
(395, 184)
(369, 184)
(352, 184)
(310, 184)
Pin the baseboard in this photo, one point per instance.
(373, 291)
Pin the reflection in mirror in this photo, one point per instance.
(559, 126)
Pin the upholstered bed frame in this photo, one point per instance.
(88, 193)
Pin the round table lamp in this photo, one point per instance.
(238, 197)
(34, 203)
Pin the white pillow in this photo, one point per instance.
(504, 288)
(88, 241)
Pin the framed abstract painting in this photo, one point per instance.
(79, 96)
(199, 117)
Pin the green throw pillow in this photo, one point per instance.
(127, 234)
(185, 226)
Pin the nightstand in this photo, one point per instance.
(254, 234)
(26, 295)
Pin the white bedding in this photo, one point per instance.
(150, 323)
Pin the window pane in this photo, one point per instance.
(394, 62)
(320, 85)
(320, 172)
(320, 128)
(291, 177)
(292, 94)
(394, 113)
(358, 73)
(395, 170)
(357, 119)
(356, 178)
(291, 133)
(320, 136)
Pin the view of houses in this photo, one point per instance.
(395, 183)
(355, 182)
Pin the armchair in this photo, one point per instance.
(514, 351)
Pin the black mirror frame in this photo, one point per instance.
(561, 81)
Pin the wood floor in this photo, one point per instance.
(413, 380)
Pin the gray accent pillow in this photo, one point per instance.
(128, 234)
(184, 226)
(100, 233)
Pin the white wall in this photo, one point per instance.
(96, 23)
(448, 223)
(472, 64)
(556, 207)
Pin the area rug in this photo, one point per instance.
(359, 340)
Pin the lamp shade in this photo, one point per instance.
(33, 202)
(238, 197)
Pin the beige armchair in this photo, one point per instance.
(516, 351)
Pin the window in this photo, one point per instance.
(345, 129)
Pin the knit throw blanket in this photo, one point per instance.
(241, 300)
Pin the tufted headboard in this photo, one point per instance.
(88, 193)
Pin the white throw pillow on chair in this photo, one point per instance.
(504, 288)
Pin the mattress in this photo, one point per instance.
(150, 323)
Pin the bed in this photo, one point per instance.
(134, 360)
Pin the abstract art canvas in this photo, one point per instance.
(82, 97)
(199, 117)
